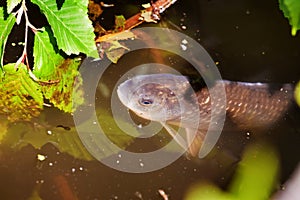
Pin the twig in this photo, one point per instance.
(64, 188)
(24, 57)
(154, 10)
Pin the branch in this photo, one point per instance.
(150, 14)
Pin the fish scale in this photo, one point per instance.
(171, 102)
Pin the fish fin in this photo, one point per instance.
(195, 140)
(175, 136)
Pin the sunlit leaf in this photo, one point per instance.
(120, 22)
(11, 4)
(297, 93)
(291, 10)
(61, 93)
(46, 57)
(21, 97)
(6, 25)
(70, 25)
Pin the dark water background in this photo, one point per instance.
(251, 41)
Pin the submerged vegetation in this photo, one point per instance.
(255, 177)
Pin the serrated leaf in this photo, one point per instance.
(61, 93)
(70, 25)
(46, 59)
(6, 26)
(11, 4)
(21, 97)
(291, 10)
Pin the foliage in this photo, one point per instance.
(258, 169)
(70, 24)
(21, 97)
(6, 25)
(291, 10)
(66, 94)
(45, 57)
(66, 35)
(297, 93)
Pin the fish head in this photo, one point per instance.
(155, 97)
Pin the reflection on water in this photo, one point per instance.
(236, 41)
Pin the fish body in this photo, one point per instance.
(170, 100)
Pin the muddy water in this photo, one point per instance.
(250, 40)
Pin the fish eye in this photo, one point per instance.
(146, 102)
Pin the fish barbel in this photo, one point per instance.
(170, 100)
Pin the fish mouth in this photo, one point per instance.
(124, 92)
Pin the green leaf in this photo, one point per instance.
(120, 22)
(11, 4)
(70, 25)
(291, 10)
(61, 93)
(21, 97)
(297, 93)
(258, 169)
(46, 57)
(6, 26)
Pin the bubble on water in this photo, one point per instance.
(183, 47)
(41, 157)
(248, 135)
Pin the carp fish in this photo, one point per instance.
(170, 100)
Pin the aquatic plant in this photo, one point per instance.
(255, 178)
